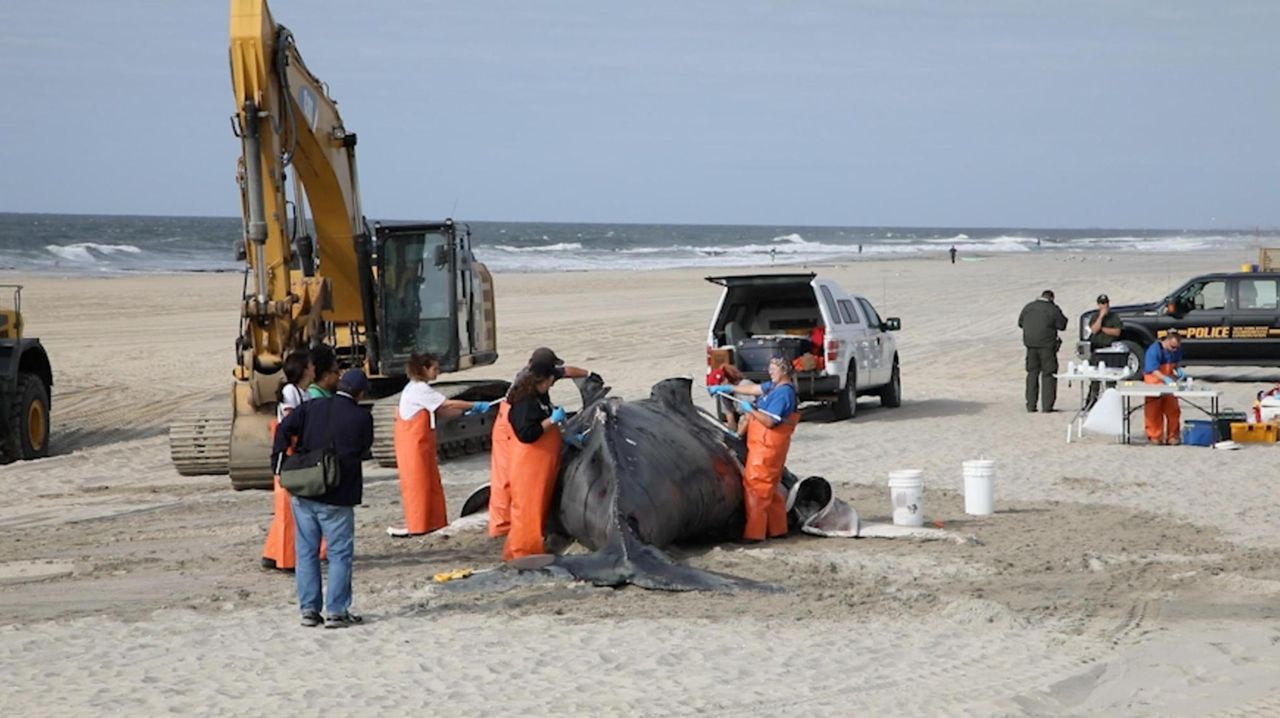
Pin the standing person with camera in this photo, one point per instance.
(1104, 331)
(341, 426)
(1041, 320)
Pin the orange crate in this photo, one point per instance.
(1253, 433)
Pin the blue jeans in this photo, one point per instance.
(337, 524)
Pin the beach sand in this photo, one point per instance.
(1113, 579)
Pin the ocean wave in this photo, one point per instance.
(88, 251)
(557, 247)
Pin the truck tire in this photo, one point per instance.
(846, 404)
(28, 420)
(1136, 354)
(891, 394)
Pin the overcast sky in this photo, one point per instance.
(888, 112)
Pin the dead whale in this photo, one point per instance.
(655, 472)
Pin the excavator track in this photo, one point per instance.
(200, 438)
(457, 437)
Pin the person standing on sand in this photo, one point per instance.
(504, 438)
(1104, 331)
(421, 494)
(1041, 320)
(278, 551)
(1160, 366)
(771, 421)
(339, 421)
(952, 252)
(534, 459)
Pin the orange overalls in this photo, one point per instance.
(279, 546)
(766, 455)
(1162, 410)
(533, 483)
(504, 437)
(420, 491)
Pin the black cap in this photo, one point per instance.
(353, 381)
(542, 370)
(544, 354)
(1104, 299)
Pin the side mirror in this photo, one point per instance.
(441, 256)
(892, 324)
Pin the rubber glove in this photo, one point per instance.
(720, 389)
(745, 406)
(558, 415)
(1180, 373)
(1169, 380)
(576, 440)
(480, 407)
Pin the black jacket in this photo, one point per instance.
(1041, 321)
(352, 438)
(526, 417)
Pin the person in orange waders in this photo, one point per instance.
(1160, 366)
(278, 551)
(534, 458)
(771, 421)
(504, 439)
(420, 407)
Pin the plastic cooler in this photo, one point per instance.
(1197, 432)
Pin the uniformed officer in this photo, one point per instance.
(1041, 320)
(1104, 330)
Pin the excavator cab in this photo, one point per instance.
(433, 297)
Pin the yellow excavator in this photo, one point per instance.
(373, 294)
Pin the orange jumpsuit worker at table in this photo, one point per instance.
(534, 459)
(504, 439)
(1160, 366)
(772, 420)
(420, 406)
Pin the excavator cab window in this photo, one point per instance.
(416, 265)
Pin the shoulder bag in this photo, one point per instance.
(314, 473)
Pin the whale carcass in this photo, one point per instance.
(659, 471)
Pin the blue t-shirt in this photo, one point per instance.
(1157, 355)
(779, 401)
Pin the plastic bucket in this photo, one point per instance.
(906, 490)
(980, 487)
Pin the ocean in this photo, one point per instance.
(89, 244)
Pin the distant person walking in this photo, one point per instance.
(341, 422)
(953, 253)
(1041, 320)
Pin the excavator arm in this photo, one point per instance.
(286, 120)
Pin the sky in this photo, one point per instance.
(982, 113)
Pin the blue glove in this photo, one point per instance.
(720, 389)
(745, 406)
(480, 407)
(1180, 373)
(576, 440)
(558, 415)
(1168, 380)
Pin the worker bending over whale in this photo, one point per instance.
(772, 419)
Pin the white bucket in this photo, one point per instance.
(906, 489)
(979, 487)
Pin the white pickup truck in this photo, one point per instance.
(839, 342)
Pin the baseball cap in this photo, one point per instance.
(542, 369)
(545, 355)
(353, 381)
(1104, 299)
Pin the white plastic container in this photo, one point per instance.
(906, 490)
(980, 487)
(1269, 409)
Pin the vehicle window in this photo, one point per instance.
(870, 311)
(1257, 294)
(831, 305)
(848, 312)
(1205, 296)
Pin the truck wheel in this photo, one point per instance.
(891, 394)
(846, 404)
(1134, 360)
(29, 418)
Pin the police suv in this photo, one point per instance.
(838, 343)
(1232, 318)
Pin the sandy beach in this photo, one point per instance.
(1113, 580)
